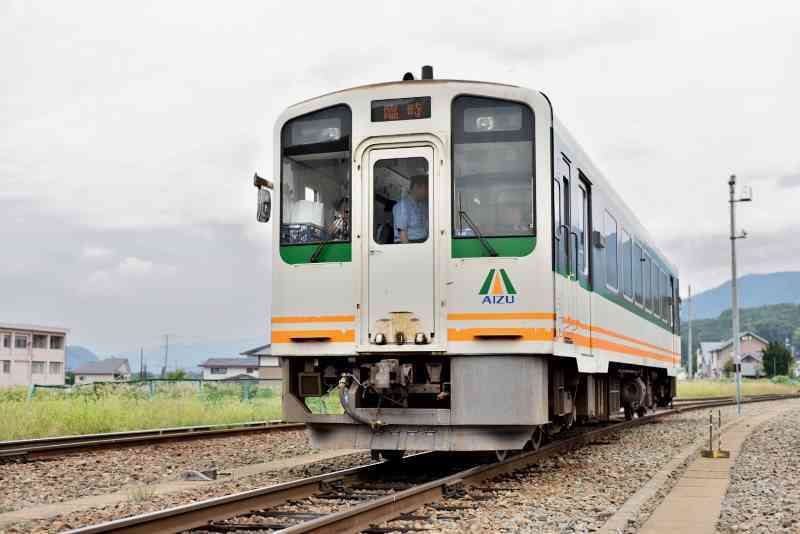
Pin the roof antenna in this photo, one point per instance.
(427, 72)
(408, 76)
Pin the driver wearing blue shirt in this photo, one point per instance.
(411, 213)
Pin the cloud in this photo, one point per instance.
(93, 252)
(134, 267)
(101, 283)
(789, 181)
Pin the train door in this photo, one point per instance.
(580, 216)
(400, 247)
(564, 272)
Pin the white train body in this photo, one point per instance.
(439, 338)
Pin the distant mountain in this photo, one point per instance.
(77, 356)
(754, 290)
(189, 355)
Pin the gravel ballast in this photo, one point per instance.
(573, 493)
(96, 473)
(764, 495)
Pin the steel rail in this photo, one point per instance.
(360, 517)
(198, 514)
(50, 447)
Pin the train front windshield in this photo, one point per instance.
(315, 178)
(492, 167)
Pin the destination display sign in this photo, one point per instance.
(401, 109)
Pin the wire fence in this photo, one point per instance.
(245, 390)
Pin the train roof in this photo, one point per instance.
(404, 82)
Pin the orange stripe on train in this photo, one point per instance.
(508, 316)
(314, 319)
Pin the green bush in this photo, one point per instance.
(783, 379)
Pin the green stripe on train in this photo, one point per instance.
(505, 247)
(332, 252)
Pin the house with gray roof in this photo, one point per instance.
(268, 365)
(228, 368)
(705, 358)
(108, 370)
(716, 354)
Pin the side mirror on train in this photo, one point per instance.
(264, 208)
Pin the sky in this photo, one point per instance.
(129, 133)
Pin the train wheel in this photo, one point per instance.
(553, 428)
(641, 411)
(504, 454)
(537, 438)
(628, 412)
(569, 419)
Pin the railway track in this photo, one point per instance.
(53, 447)
(352, 500)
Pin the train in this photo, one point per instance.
(451, 272)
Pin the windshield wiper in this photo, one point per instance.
(463, 215)
(317, 252)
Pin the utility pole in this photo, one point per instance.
(737, 358)
(691, 354)
(166, 356)
(141, 363)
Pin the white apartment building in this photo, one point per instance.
(32, 354)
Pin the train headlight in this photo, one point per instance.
(420, 339)
(331, 134)
(380, 339)
(484, 123)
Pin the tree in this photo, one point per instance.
(729, 368)
(69, 378)
(776, 359)
(177, 374)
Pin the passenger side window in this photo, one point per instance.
(654, 286)
(637, 274)
(612, 266)
(648, 294)
(627, 264)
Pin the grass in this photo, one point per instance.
(722, 388)
(141, 493)
(115, 409)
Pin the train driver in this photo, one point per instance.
(411, 213)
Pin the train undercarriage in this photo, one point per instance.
(393, 403)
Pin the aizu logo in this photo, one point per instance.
(497, 288)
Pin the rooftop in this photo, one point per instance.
(101, 367)
(33, 328)
(230, 362)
